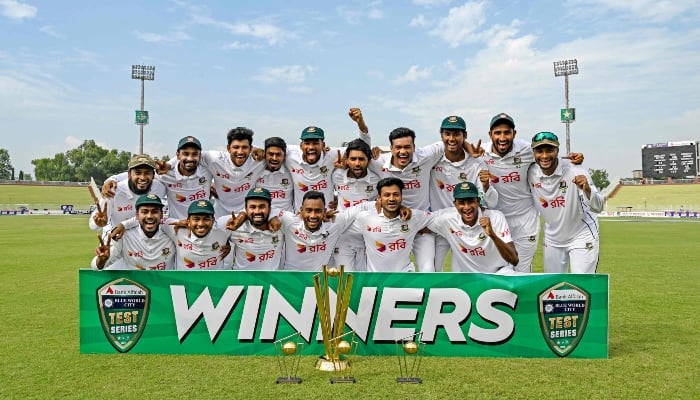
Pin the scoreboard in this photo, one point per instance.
(672, 159)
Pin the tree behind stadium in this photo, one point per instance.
(79, 164)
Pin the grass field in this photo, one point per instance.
(41, 197)
(657, 197)
(654, 347)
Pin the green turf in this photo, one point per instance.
(656, 197)
(654, 346)
(41, 197)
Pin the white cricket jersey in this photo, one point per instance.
(446, 174)
(122, 206)
(281, 187)
(472, 249)
(510, 177)
(232, 183)
(255, 249)
(136, 251)
(351, 192)
(416, 175)
(198, 254)
(309, 251)
(182, 190)
(569, 216)
(389, 240)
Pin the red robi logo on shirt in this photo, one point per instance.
(381, 247)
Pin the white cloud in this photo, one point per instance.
(418, 21)
(432, 3)
(176, 36)
(651, 10)
(414, 74)
(375, 13)
(288, 74)
(355, 15)
(49, 30)
(17, 10)
(461, 24)
(268, 32)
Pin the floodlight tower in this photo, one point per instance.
(568, 115)
(144, 73)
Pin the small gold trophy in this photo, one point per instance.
(336, 349)
(409, 351)
(288, 351)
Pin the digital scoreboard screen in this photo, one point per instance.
(674, 160)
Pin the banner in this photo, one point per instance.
(244, 312)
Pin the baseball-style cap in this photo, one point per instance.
(200, 207)
(148, 200)
(502, 118)
(312, 132)
(258, 193)
(465, 190)
(454, 122)
(189, 140)
(545, 138)
(141, 159)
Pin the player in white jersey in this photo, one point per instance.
(145, 248)
(508, 159)
(413, 167)
(479, 237)
(389, 238)
(354, 185)
(310, 166)
(255, 247)
(276, 177)
(309, 241)
(112, 211)
(569, 202)
(455, 167)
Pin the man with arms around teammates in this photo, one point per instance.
(145, 248)
(479, 238)
(508, 159)
(457, 166)
(568, 201)
(311, 167)
(276, 177)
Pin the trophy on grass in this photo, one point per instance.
(288, 351)
(336, 349)
(409, 351)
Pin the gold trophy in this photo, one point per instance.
(288, 351)
(336, 349)
(409, 351)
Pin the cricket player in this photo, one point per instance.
(389, 238)
(145, 248)
(112, 211)
(568, 201)
(254, 245)
(455, 167)
(311, 167)
(276, 177)
(479, 238)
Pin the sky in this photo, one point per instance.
(279, 66)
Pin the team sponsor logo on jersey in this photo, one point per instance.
(180, 198)
(563, 312)
(302, 187)
(223, 175)
(301, 248)
(250, 257)
(381, 247)
(188, 263)
(123, 307)
(544, 202)
(225, 188)
(440, 184)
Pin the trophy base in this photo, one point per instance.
(288, 379)
(343, 379)
(408, 380)
(324, 364)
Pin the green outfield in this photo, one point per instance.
(654, 347)
(656, 197)
(44, 197)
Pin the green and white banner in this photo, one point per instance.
(244, 312)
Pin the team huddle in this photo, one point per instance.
(299, 207)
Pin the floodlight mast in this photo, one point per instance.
(565, 68)
(144, 73)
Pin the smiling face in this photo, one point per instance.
(546, 158)
(188, 157)
(149, 217)
(274, 157)
(200, 224)
(311, 150)
(140, 178)
(468, 209)
(239, 151)
(402, 151)
(502, 136)
(390, 199)
(258, 212)
(312, 213)
(357, 162)
(453, 140)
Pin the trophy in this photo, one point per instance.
(346, 349)
(409, 351)
(288, 351)
(336, 349)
